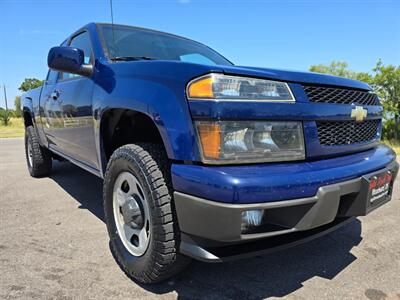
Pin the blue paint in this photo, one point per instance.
(65, 58)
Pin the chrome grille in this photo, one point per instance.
(335, 133)
(321, 94)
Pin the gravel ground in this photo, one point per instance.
(54, 245)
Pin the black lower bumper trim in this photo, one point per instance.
(259, 247)
(222, 222)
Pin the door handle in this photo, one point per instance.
(54, 95)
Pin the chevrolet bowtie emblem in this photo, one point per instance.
(359, 113)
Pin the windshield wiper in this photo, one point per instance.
(130, 58)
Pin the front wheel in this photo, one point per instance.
(139, 213)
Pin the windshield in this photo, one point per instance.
(130, 42)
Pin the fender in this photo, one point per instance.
(27, 110)
(165, 105)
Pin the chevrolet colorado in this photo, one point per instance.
(201, 158)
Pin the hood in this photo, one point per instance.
(295, 76)
(184, 71)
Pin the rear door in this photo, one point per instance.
(74, 132)
(50, 109)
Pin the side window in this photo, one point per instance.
(52, 77)
(81, 41)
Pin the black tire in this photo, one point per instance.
(152, 169)
(40, 163)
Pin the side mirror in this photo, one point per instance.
(68, 59)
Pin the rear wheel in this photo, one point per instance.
(38, 159)
(139, 213)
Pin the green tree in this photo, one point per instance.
(387, 85)
(30, 83)
(5, 117)
(17, 103)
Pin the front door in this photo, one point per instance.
(74, 131)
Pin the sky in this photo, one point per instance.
(285, 34)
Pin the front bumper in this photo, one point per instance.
(261, 183)
(210, 226)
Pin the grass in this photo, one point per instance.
(14, 129)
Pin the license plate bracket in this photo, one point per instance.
(377, 188)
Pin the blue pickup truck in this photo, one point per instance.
(202, 158)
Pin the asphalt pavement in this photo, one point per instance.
(54, 245)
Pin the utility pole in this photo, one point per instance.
(5, 97)
(6, 119)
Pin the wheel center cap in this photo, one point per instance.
(132, 213)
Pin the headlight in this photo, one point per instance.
(224, 142)
(224, 87)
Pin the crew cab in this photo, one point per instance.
(202, 158)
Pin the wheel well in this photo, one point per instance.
(27, 119)
(120, 127)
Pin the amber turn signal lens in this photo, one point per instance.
(201, 88)
(210, 138)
